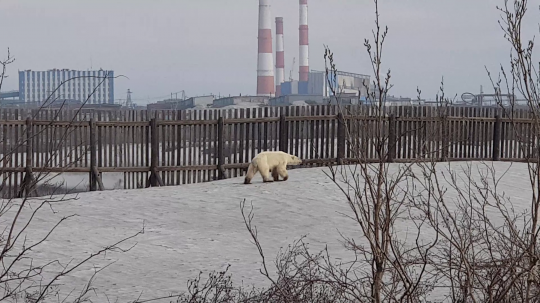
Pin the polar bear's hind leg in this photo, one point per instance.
(252, 170)
(265, 172)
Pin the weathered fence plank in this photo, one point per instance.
(497, 139)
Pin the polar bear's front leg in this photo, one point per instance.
(275, 174)
(282, 171)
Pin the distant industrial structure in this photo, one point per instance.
(301, 100)
(241, 101)
(280, 55)
(496, 98)
(72, 85)
(319, 83)
(265, 68)
(304, 42)
(199, 102)
(12, 96)
(129, 103)
(296, 99)
(62, 88)
(265, 58)
(309, 82)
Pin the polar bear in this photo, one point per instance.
(274, 162)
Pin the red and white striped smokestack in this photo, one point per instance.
(280, 56)
(265, 61)
(304, 42)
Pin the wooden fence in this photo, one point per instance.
(179, 147)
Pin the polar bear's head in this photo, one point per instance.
(294, 160)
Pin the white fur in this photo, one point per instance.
(271, 165)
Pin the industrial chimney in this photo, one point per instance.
(304, 42)
(265, 60)
(280, 55)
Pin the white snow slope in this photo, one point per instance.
(199, 227)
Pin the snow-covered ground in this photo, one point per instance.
(199, 227)
(134, 155)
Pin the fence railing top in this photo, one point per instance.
(42, 122)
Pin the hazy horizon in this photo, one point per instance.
(210, 46)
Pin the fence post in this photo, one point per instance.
(93, 156)
(29, 182)
(340, 139)
(283, 143)
(221, 145)
(391, 138)
(497, 138)
(95, 178)
(154, 179)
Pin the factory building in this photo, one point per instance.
(197, 102)
(181, 104)
(317, 84)
(37, 86)
(240, 100)
(345, 99)
(294, 88)
(286, 100)
(13, 95)
(343, 82)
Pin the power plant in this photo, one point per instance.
(265, 71)
(309, 82)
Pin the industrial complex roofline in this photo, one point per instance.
(9, 94)
(345, 74)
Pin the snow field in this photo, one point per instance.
(199, 227)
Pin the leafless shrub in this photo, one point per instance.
(5, 63)
(392, 268)
(217, 287)
(490, 250)
(300, 275)
(480, 255)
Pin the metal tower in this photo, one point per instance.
(129, 104)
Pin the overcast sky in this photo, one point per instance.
(210, 46)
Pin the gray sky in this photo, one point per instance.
(210, 46)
